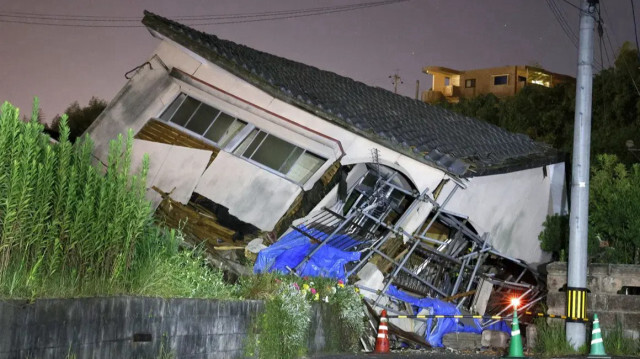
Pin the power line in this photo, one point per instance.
(89, 21)
(635, 29)
(562, 22)
(66, 17)
(626, 64)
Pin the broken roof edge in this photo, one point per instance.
(451, 165)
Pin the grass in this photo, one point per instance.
(551, 341)
(615, 343)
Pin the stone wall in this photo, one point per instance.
(605, 283)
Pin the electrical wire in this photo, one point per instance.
(626, 64)
(66, 17)
(635, 29)
(89, 21)
(562, 22)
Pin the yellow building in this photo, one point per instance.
(502, 81)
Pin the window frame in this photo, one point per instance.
(277, 171)
(494, 77)
(472, 81)
(238, 138)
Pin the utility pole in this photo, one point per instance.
(579, 220)
(417, 89)
(395, 80)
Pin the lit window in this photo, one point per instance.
(470, 83)
(501, 80)
(292, 161)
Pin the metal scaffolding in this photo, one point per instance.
(461, 267)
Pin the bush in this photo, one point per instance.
(554, 238)
(288, 311)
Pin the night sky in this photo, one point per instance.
(65, 64)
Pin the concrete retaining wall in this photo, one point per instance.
(137, 327)
(604, 281)
(125, 327)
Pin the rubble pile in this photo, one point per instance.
(444, 268)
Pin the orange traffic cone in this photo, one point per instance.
(382, 342)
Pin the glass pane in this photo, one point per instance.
(252, 147)
(273, 152)
(166, 115)
(291, 160)
(246, 142)
(231, 132)
(219, 127)
(203, 117)
(305, 167)
(501, 80)
(185, 111)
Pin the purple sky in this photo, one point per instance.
(65, 64)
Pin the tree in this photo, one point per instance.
(79, 118)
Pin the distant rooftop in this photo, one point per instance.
(460, 145)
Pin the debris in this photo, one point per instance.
(496, 339)
(444, 267)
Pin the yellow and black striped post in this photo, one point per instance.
(576, 304)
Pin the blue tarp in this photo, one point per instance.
(291, 249)
(434, 334)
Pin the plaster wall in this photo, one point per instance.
(357, 148)
(511, 208)
(141, 98)
(255, 196)
(173, 169)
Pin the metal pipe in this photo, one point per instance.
(417, 241)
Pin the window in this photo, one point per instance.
(295, 163)
(447, 81)
(203, 119)
(500, 80)
(522, 79)
(470, 83)
(292, 161)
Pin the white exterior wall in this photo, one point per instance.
(357, 148)
(511, 208)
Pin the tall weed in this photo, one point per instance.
(68, 228)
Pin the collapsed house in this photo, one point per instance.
(246, 144)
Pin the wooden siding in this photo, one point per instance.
(197, 223)
(158, 131)
(305, 201)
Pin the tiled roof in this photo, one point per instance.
(457, 144)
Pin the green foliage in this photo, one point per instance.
(283, 328)
(288, 310)
(547, 114)
(78, 118)
(613, 211)
(68, 229)
(554, 238)
(350, 324)
(615, 343)
(551, 340)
